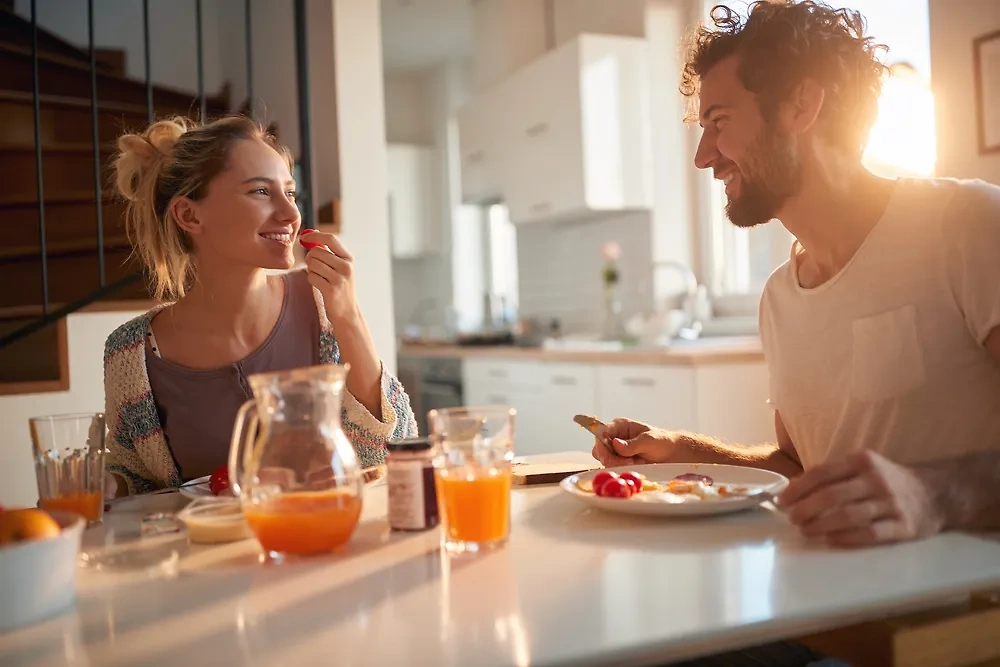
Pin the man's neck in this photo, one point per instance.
(832, 216)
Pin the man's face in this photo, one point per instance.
(752, 155)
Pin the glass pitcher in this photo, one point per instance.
(291, 465)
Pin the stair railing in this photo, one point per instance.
(49, 315)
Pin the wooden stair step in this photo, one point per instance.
(20, 199)
(60, 248)
(61, 75)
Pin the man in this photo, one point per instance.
(882, 331)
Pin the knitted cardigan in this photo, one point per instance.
(138, 450)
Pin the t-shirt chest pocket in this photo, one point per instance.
(887, 358)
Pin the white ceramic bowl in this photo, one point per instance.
(38, 577)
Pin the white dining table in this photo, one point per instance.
(575, 585)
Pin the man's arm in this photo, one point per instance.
(966, 491)
(968, 488)
(637, 443)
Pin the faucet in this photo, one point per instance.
(691, 328)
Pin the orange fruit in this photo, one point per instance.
(26, 524)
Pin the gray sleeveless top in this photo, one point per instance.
(197, 407)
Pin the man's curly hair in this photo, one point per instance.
(782, 43)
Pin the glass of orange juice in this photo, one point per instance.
(69, 463)
(473, 474)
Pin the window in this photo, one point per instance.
(902, 143)
(484, 265)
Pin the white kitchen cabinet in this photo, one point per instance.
(565, 390)
(658, 395)
(731, 400)
(414, 210)
(727, 401)
(567, 136)
(513, 383)
(481, 149)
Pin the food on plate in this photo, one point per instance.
(22, 525)
(601, 478)
(218, 483)
(635, 478)
(617, 487)
(609, 484)
(695, 477)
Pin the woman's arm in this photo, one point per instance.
(368, 434)
(125, 470)
(357, 348)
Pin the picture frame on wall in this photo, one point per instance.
(986, 68)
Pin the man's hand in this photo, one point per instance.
(636, 443)
(862, 500)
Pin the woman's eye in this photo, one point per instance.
(259, 191)
(292, 194)
(720, 120)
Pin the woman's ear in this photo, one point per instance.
(186, 215)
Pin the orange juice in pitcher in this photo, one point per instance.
(306, 522)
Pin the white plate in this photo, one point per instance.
(197, 488)
(661, 504)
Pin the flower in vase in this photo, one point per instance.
(611, 252)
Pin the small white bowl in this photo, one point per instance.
(38, 577)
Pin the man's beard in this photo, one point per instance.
(772, 176)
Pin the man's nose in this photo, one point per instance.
(706, 153)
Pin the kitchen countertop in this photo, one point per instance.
(574, 586)
(720, 350)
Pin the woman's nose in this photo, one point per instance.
(288, 209)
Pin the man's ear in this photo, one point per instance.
(186, 215)
(804, 105)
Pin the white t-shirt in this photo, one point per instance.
(888, 354)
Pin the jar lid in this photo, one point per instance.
(418, 444)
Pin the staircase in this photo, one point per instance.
(37, 362)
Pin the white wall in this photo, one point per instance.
(357, 69)
(507, 34)
(118, 25)
(86, 333)
(953, 27)
(621, 17)
(408, 108)
(559, 269)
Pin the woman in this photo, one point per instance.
(211, 209)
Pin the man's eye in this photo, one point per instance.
(259, 191)
(292, 195)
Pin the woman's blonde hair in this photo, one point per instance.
(172, 158)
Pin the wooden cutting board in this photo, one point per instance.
(526, 474)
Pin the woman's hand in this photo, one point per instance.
(331, 271)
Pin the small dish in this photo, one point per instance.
(215, 520)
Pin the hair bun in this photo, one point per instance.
(141, 157)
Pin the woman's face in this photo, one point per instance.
(248, 215)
